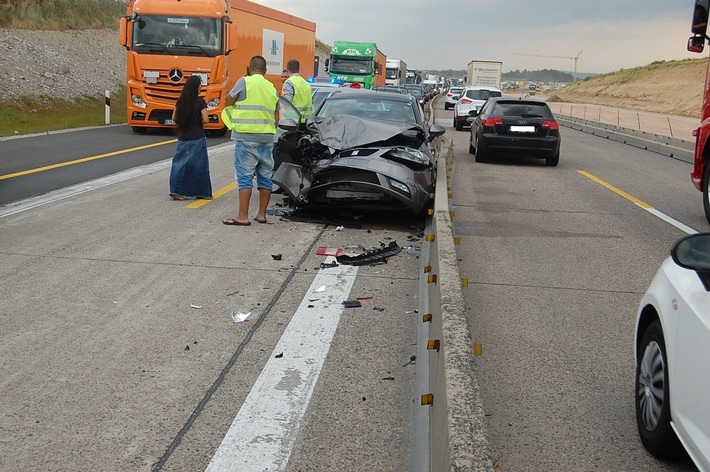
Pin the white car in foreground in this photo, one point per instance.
(672, 347)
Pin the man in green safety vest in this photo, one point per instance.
(298, 91)
(252, 114)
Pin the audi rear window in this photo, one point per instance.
(525, 110)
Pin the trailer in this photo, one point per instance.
(168, 41)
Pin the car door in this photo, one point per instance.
(690, 372)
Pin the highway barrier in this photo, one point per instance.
(668, 146)
(448, 401)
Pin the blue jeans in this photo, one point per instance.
(250, 158)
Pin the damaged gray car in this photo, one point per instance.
(362, 151)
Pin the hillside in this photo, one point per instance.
(669, 87)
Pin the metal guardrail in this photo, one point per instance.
(668, 146)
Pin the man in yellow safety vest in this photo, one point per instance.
(297, 90)
(252, 119)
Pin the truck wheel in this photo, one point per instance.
(706, 190)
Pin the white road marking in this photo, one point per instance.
(265, 429)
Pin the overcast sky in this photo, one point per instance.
(447, 34)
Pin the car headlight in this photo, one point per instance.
(138, 101)
(409, 154)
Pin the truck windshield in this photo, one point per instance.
(176, 35)
(392, 74)
(346, 65)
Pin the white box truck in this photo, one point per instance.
(396, 72)
(486, 73)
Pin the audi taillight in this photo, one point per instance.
(552, 124)
(492, 121)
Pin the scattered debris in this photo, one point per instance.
(339, 228)
(412, 360)
(364, 298)
(352, 304)
(276, 257)
(325, 265)
(239, 317)
(196, 307)
(279, 356)
(328, 251)
(378, 308)
(371, 257)
(320, 289)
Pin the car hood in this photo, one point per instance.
(340, 132)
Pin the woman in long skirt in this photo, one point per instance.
(190, 172)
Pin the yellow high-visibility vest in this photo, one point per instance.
(255, 114)
(302, 98)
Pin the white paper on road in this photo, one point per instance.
(263, 433)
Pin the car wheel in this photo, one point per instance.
(459, 125)
(471, 148)
(553, 160)
(446, 106)
(653, 415)
(706, 190)
(139, 129)
(480, 154)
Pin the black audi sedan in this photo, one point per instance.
(515, 127)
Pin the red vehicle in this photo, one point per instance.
(700, 175)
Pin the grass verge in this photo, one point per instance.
(29, 115)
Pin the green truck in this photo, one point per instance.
(360, 63)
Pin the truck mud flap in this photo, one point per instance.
(374, 256)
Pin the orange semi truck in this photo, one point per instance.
(168, 41)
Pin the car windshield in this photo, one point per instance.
(455, 89)
(522, 109)
(372, 108)
(320, 94)
(482, 94)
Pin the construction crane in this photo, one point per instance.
(574, 58)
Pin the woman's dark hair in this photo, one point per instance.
(184, 106)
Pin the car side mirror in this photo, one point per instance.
(435, 131)
(693, 252)
(288, 124)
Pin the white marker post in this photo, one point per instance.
(107, 115)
